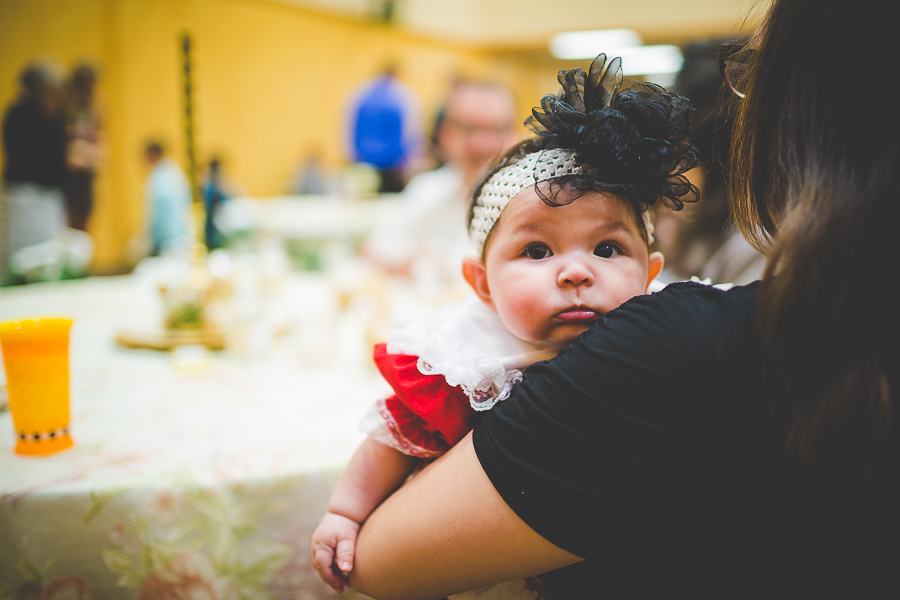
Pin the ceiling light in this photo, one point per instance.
(625, 43)
(584, 44)
(648, 60)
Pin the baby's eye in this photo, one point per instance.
(606, 250)
(537, 251)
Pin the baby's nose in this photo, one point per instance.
(575, 272)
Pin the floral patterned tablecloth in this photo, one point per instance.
(181, 485)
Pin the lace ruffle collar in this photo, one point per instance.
(470, 347)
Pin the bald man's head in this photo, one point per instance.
(479, 125)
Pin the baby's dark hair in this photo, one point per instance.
(635, 144)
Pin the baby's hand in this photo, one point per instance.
(333, 547)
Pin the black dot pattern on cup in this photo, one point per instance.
(41, 436)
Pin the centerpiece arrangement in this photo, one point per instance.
(188, 304)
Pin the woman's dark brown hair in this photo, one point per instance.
(815, 182)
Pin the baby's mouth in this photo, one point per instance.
(578, 314)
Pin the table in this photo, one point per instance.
(183, 484)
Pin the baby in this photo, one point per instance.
(562, 237)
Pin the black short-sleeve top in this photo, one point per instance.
(646, 447)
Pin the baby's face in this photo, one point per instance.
(552, 271)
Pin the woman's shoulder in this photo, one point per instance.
(695, 290)
(654, 397)
(693, 306)
(683, 327)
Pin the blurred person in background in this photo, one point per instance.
(34, 173)
(168, 200)
(476, 125)
(83, 150)
(703, 240)
(217, 187)
(384, 129)
(214, 195)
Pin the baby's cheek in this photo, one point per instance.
(524, 315)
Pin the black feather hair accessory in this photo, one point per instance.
(636, 142)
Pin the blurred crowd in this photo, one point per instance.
(53, 146)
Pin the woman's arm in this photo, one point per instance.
(372, 474)
(448, 531)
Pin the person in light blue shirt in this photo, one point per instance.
(168, 198)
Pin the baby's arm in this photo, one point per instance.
(374, 472)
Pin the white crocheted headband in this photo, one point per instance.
(524, 173)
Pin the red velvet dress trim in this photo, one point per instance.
(425, 412)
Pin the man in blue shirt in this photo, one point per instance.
(384, 129)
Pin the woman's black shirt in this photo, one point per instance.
(646, 447)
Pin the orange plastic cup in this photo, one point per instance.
(36, 356)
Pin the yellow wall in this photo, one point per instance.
(271, 80)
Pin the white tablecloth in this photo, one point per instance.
(181, 485)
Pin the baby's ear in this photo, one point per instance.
(656, 266)
(476, 275)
